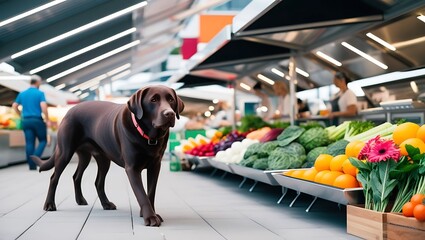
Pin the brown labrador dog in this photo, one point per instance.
(133, 136)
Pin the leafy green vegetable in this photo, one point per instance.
(314, 137)
(252, 150)
(296, 148)
(261, 163)
(285, 158)
(280, 124)
(225, 130)
(251, 122)
(289, 135)
(248, 162)
(337, 148)
(266, 148)
(357, 127)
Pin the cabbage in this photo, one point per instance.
(266, 148)
(252, 149)
(248, 162)
(296, 148)
(285, 158)
(289, 135)
(314, 137)
(262, 164)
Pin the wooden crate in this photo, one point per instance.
(365, 223)
(401, 227)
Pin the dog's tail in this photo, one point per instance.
(44, 165)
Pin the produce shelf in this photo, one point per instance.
(338, 195)
(199, 162)
(255, 174)
(220, 165)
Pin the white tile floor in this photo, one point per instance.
(194, 205)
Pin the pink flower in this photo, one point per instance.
(383, 151)
(377, 149)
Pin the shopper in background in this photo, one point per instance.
(344, 103)
(264, 101)
(303, 109)
(283, 100)
(33, 102)
(223, 116)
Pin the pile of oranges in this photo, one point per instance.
(409, 133)
(333, 171)
(415, 208)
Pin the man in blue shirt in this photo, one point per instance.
(33, 103)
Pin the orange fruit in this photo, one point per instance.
(417, 198)
(419, 212)
(348, 168)
(310, 174)
(353, 148)
(421, 133)
(346, 181)
(322, 162)
(336, 162)
(405, 131)
(415, 142)
(288, 173)
(319, 175)
(407, 209)
(297, 173)
(330, 177)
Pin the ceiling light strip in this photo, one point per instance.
(278, 72)
(83, 50)
(265, 79)
(88, 82)
(119, 69)
(60, 86)
(422, 18)
(30, 12)
(80, 29)
(302, 72)
(329, 59)
(92, 61)
(364, 55)
(380, 41)
(120, 75)
(84, 95)
(244, 86)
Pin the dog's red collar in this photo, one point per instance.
(139, 129)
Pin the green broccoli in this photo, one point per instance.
(261, 163)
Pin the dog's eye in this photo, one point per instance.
(154, 99)
(171, 100)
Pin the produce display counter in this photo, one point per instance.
(198, 162)
(338, 195)
(12, 147)
(276, 178)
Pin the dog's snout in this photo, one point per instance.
(169, 113)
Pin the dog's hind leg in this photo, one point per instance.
(83, 161)
(103, 164)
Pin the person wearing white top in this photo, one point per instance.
(344, 104)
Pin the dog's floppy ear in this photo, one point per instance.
(134, 104)
(180, 105)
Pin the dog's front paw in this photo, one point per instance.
(153, 221)
(81, 201)
(109, 206)
(49, 207)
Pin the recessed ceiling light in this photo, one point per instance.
(380, 41)
(414, 86)
(81, 51)
(329, 58)
(302, 72)
(92, 61)
(80, 29)
(364, 55)
(265, 79)
(84, 95)
(60, 86)
(30, 12)
(120, 75)
(278, 72)
(245, 86)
